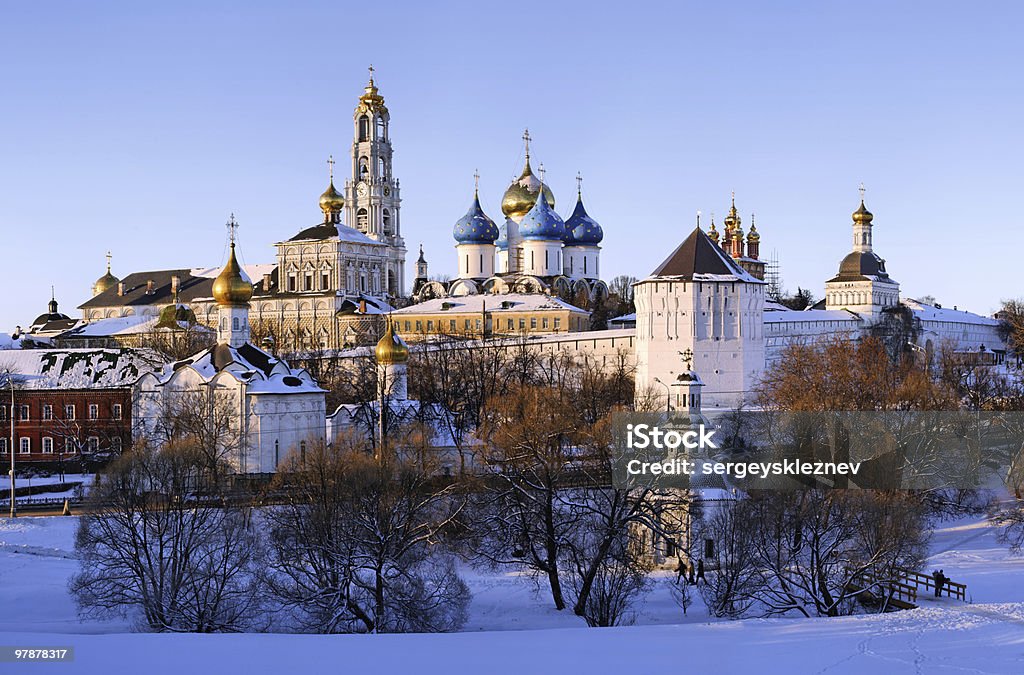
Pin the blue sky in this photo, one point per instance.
(139, 127)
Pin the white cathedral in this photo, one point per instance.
(702, 304)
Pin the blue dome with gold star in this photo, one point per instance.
(581, 229)
(541, 222)
(475, 227)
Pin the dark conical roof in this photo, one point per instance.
(699, 255)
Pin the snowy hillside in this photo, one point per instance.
(512, 630)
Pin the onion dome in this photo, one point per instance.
(733, 219)
(475, 227)
(106, 282)
(580, 228)
(541, 222)
(331, 200)
(502, 241)
(713, 233)
(862, 215)
(391, 348)
(754, 236)
(232, 286)
(521, 195)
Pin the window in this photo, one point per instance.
(47, 411)
(387, 222)
(3, 446)
(361, 219)
(544, 323)
(115, 410)
(93, 444)
(522, 324)
(23, 412)
(419, 326)
(3, 413)
(292, 282)
(364, 128)
(468, 324)
(406, 326)
(115, 443)
(302, 451)
(277, 453)
(451, 325)
(558, 323)
(307, 282)
(511, 324)
(26, 445)
(69, 412)
(234, 324)
(325, 280)
(533, 322)
(47, 445)
(430, 326)
(94, 411)
(69, 445)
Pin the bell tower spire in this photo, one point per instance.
(372, 198)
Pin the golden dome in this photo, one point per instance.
(754, 235)
(331, 200)
(106, 282)
(391, 348)
(521, 195)
(862, 215)
(713, 233)
(232, 287)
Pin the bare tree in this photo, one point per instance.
(356, 546)
(146, 545)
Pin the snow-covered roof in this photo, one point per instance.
(777, 315)
(259, 370)
(254, 271)
(497, 302)
(79, 368)
(927, 312)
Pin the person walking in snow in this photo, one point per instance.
(700, 571)
(940, 580)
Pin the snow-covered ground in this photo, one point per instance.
(512, 628)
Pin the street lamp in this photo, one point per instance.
(10, 449)
(668, 395)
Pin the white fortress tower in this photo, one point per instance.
(372, 195)
(700, 303)
(862, 285)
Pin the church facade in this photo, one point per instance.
(330, 283)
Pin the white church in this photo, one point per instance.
(700, 303)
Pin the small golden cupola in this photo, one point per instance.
(232, 287)
(331, 201)
(106, 282)
(391, 349)
(521, 195)
(862, 215)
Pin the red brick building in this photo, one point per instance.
(65, 425)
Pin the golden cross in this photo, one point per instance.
(108, 261)
(862, 190)
(476, 180)
(371, 73)
(330, 166)
(527, 139)
(540, 170)
(232, 225)
(579, 183)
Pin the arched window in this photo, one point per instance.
(364, 128)
(361, 219)
(364, 167)
(234, 323)
(382, 168)
(387, 221)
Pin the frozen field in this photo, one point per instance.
(513, 630)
